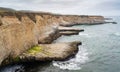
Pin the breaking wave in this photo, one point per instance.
(75, 63)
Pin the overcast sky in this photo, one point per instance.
(84, 7)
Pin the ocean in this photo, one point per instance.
(99, 52)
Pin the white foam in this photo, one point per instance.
(89, 35)
(66, 65)
(75, 63)
(85, 34)
(117, 34)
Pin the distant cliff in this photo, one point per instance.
(2, 9)
(56, 18)
(20, 30)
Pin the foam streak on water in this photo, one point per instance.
(117, 34)
(75, 63)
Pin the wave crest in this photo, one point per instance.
(75, 63)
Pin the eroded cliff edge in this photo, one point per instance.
(20, 31)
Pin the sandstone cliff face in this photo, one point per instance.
(19, 31)
(14, 39)
(47, 18)
(83, 20)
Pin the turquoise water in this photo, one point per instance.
(99, 52)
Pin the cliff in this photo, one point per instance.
(20, 31)
(2, 9)
(54, 18)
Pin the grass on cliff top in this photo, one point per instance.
(34, 50)
(38, 49)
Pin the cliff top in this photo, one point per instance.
(2, 9)
(9, 11)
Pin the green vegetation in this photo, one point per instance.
(35, 50)
(17, 59)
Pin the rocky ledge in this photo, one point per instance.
(48, 52)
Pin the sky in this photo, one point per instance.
(78, 7)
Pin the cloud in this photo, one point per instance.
(101, 7)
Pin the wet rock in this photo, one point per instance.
(112, 22)
(69, 33)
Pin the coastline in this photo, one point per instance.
(21, 31)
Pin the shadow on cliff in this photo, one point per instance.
(25, 67)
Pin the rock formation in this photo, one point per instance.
(48, 52)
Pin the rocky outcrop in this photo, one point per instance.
(61, 28)
(19, 31)
(49, 52)
(55, 51)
